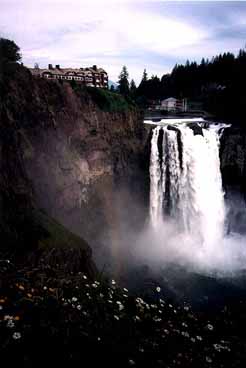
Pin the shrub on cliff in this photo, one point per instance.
(109, 101)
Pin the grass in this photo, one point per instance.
(49, 316)
(110, 101)
(57, 235)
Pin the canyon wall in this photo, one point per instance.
(83, 164)
(70, 160)
(233, 168)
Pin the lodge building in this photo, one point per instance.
(91, 77)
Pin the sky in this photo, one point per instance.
(109, 33)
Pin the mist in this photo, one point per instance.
(190, 226)
(165, 244)
(191, 222)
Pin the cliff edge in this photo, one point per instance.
(73, 153)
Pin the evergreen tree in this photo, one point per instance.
(123, 81)
(133, 89)
(142, 90)
(145, 76)
(9, 55)
(9, 51)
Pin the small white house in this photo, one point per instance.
(173, 104)
(169, 104)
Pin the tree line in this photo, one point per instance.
(219, 84)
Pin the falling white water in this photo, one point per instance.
(172, 165)
(156, 193)
(186, 183)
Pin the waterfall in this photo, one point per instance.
(185, 182)
(156, 193)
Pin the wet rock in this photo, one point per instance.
(197, 129)
(80, 170)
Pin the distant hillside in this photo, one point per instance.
(111, 83)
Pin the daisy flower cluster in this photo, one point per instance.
(64, 312)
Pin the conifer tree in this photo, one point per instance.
(123, 81)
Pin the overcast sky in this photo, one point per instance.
(139, 34)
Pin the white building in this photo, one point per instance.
(173, 104)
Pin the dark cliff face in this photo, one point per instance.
(84, 166)
(233, 168)
(233, 158)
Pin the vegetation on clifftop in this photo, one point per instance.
(110, 101)
(216, 85)
(10, 70)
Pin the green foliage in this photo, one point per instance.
(218, 84)
(66, 319)
(123, 82)
(73, 84)
(9, 55)
(149, 89)
(9, 51)
(110, 101)
(145, 76)
(56, 235)
(133, 89)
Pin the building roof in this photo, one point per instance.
(170, 99)
(64, 71)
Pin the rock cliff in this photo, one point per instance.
(63, 153)
(233, 168)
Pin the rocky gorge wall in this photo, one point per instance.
(233, 168)
(84, 166)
